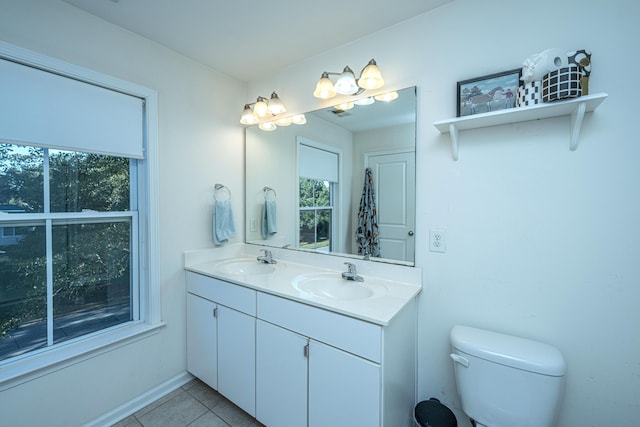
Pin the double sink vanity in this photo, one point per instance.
(296, 342)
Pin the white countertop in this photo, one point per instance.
(402, 283)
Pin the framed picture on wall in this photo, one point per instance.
(488, 93)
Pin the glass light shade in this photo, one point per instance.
(346, 84)
(268, 126)
(365, 101)
(324, 88)
(387, 97)
(345, 106)
(299, 119)
(275, 105)
(371, 76)
(284, 121)
(247, 117)
(260, 108)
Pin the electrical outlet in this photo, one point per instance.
(253, 224)
(437, 241)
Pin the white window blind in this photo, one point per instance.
(317, 164)
(48, 110)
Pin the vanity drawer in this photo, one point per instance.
(352, 335)
(233, 296)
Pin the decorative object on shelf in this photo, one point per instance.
(529, 94)
(537, 65)
(561, 84)
(582, 58)
(556, 70)
(493, 92)
(346, 84)
(261, 108)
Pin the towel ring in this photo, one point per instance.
(266, 192)
(219, 187)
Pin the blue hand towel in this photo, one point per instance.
(269, 219)
(223, 227)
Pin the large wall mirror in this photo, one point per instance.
(305, 183)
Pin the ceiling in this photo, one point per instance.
(250, 39)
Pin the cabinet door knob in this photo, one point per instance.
(410, 232)
(306, 350)
(215, 312)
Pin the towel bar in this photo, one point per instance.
(267, 190)
(220, 187)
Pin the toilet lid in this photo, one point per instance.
(509, 350)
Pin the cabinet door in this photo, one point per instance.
(344, 390)
(202, 340)
(281, 376)
(237, 358)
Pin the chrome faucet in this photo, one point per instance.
(267, 258)
(351, 273)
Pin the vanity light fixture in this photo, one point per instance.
(345, 106)
(268, 126)
(261, 108)
(284, 121)
(346, 84)
(387, 97)
(298, 119)
(365, 101)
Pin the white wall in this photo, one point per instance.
(200, 144)
(541, 242)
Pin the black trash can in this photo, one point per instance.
(432, 413)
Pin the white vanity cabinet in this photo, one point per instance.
(221, 337)
(202, 339)
(281, 376)
(300, 379)
(351, 372)
(289, 363)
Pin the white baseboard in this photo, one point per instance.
(141, 401)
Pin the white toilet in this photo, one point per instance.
(506, 381)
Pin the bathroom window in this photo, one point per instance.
(316, 214)
(68, 270)
(318, 180)
(78, 197)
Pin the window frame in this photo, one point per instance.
(335, 189)
(40, 362)
(315, 208)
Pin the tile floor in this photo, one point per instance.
(195, 404)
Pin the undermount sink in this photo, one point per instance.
(331, 285)
(244, 266)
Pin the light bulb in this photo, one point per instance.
(247, 117)
(260, 108)
(268, 126)
(365, 101)
(346, 84)
(371, 76)
(284, 121)
(275, 105)
(324, 88)
(345, 106)
(299, 119)
(387, 97)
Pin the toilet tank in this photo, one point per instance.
(507, 381)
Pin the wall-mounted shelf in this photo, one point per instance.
(575, 107)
